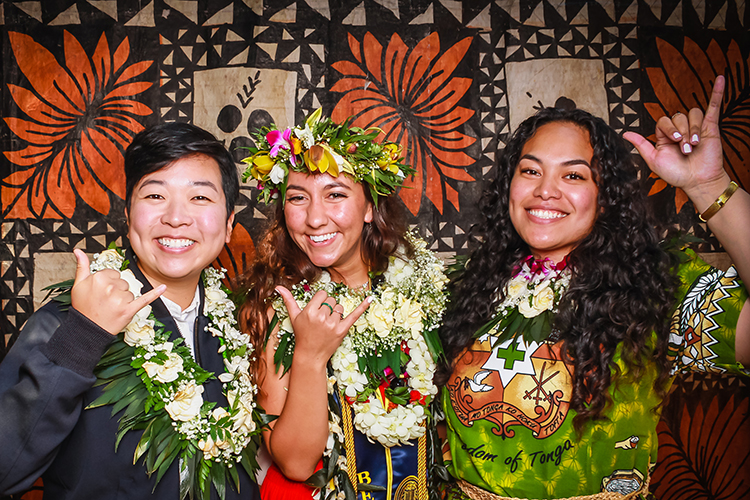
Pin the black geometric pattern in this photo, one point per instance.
(185, 37)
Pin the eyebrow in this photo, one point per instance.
(330, 185)
(567, 163)
(199, 183)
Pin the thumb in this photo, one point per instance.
(289, 302)
(82, 265)
(644, 147)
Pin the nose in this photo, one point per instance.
(316, 214)
(548, 187)
(176, 213)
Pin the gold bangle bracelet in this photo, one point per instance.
(720, 202)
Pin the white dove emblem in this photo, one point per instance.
(476, 385)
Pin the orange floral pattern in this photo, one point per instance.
(685, 82)
(411, 95)
(236, 255)
(79, 118)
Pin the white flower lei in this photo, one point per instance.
(409, 302)
(174, 380)
(531, 298)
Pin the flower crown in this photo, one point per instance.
(326, 147)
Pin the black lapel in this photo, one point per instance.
(206, 345)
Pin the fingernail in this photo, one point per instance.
(370, 298)
(686, 148)
(695, 138)
(677, 135)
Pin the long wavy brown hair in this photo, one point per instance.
(622, 287)
(279, 261)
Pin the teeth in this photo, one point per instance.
(322, 237)
(547, 214)
(170, 243)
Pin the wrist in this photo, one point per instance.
(705, 194)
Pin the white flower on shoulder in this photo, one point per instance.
(108, 259)
(238, 364)
(515, 288)
(398, 269)
(544, 297)
(243, 420)
(134, 286)
(140, 330)
(167, 372)
(187, 403)
(542, 300)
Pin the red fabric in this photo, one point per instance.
(277, 487)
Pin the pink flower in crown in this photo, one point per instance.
(283, 140)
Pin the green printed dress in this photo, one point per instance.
(510, 426)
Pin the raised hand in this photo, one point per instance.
(320, 327)
(688, 153)
(104, 297)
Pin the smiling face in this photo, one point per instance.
(553, 195)
(325, 217)
(178, 223)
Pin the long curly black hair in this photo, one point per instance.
(622, 285)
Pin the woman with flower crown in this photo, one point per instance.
(570, 318)
(345, 304)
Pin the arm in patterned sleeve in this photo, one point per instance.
(705, 320)
(43, 380)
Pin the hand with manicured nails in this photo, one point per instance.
(688, 153)
(320, 327)
(104, 297)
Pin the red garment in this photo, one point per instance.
(276, 486)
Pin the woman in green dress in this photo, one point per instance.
(570, 318)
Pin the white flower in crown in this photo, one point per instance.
(165, 372)
(277, 174)
(305, 135)
(187, 402)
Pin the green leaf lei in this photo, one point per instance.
(385, 365)
(157, 385)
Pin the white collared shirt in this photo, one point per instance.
(185, 319)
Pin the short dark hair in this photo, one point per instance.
(160, 145)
